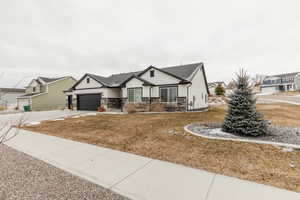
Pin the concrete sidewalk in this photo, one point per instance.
(141, 178)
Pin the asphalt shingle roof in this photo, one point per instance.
(8, 90)
(182, 71)
(285, 75)
(49, 80)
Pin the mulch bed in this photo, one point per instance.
(278, 134)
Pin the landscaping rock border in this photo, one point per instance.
(279, 136)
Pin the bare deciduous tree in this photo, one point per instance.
(11, 129)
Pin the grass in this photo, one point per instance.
(288, 93)
(161, 136)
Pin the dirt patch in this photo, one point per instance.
(161, 136)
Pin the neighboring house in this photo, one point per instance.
(179, 88)
(281, 83)
(8, 97)
(45, 93)
(212, 86)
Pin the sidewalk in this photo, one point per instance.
(141, 178)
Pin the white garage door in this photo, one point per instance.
(268, 90)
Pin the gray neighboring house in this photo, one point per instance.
(180, 88)
(281, 83)
(8, 97)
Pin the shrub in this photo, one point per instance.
(130, 108)
(157, 107)
(220, 90)
(242, 117)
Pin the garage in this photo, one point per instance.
(88, 102)
(269, 90)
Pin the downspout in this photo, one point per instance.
(187, 102)
(150, 100)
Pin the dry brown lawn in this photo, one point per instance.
(161, 136)
(287, 93)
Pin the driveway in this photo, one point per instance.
(291, 99)
(39, 116)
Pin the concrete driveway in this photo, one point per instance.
(39, 116)
(291, 99)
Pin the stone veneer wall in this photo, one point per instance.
(111, 103)
(144, 106)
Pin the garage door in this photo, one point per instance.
(88, 102)
(268, 90)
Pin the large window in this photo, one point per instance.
(168, 94)
(134, 95)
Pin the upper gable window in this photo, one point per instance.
(88, 80)
(33, 89)
(152, 73)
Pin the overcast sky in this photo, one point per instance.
(73, 37)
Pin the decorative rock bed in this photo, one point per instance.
(282, 136)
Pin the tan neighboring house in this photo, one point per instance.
(45, 93)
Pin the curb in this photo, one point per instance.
(294, 146)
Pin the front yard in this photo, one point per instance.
(161, 136)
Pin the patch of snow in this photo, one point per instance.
(287, 149)
(75, 117)
(57, 119)
(33, 123)
(291, 165)
(88, 114)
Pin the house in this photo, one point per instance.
(213, 85)
(45, 93)
(8, 97)
(281, 83)
(178, 88)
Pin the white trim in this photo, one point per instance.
(241, 140)
(194, 73)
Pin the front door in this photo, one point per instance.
(70, 101)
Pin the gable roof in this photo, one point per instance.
(146, 83)
(181, 72)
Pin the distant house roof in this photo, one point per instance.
(12, 90)
(49, 80)
(284, 75)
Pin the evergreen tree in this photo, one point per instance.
(220, 90)
(242, 117)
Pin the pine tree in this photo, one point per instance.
(242, 117)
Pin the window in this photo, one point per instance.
(152, 73)
(88, 80)
(134, 95)
(168, 94)
(33, 89)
